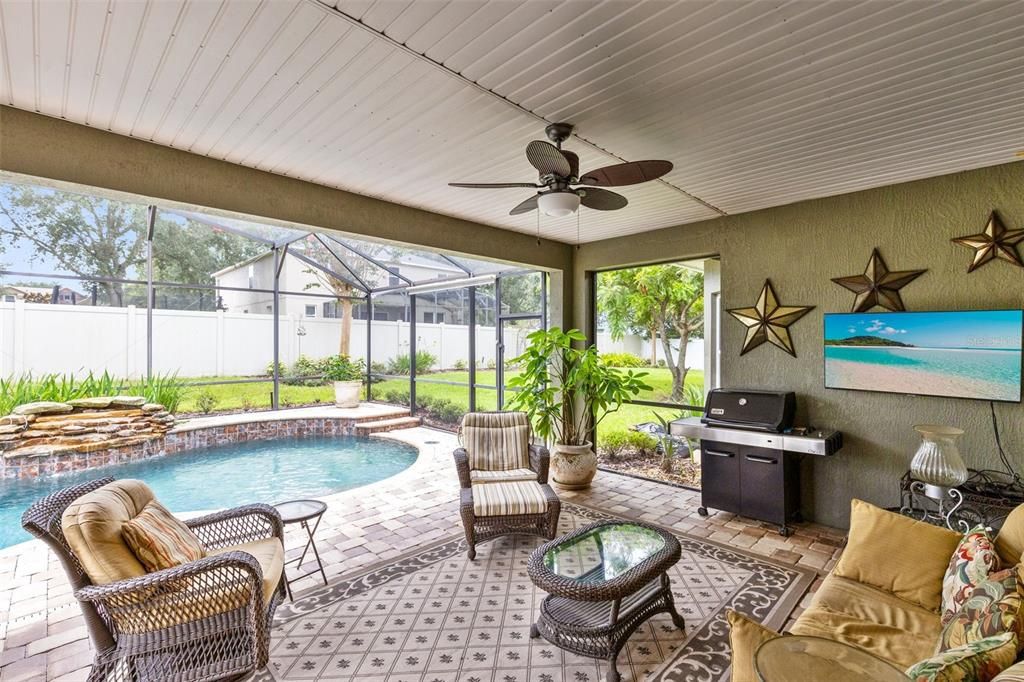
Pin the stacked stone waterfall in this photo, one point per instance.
(81, 425)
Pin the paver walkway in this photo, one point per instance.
(42, 635)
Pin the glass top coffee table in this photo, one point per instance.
(603, 581)
(816, 658)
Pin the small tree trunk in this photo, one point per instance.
(654, 346)
(677, 380)
(681, 369)
(346, 326)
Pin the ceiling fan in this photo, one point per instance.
(559, 175)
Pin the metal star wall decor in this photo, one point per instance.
(769, 321)
(995, 242)
(878, 285)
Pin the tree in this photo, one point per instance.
(88, 236)
(190, 252)
(668, 300)
(344, 289)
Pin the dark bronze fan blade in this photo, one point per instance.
(602, 199)
(492, 185)
(525, 207)
(546, 158)
(626, 173)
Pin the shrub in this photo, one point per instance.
(623, 360)
(451, 413)
(206, 401)
(396, 396)
(617, 443)
(282, 370)
(162, 388)
(342, 368)
(425, 361)
(459, 365)
(424, 402)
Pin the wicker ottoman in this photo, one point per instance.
(490, 510)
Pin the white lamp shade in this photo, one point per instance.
(558, 204)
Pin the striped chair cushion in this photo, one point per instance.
(159, 540)
(496, 441)
(509, 499)
(507, 475)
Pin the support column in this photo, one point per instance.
(275, 400)
(369, 347)
(472, 349)
(412, 355)
(149, 292)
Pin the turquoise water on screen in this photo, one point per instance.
(230, 475)
(1001, 367)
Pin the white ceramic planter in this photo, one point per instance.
(573, 466)
(346, 393)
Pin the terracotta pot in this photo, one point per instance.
(573, 466)
(346, 393)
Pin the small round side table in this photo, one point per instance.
(796, 657)
(308, 514)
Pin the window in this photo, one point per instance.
(428, 318)
(332, 310)
(252, 276)
(393, 279)
(439, 318)
(310, 311)
(9, 298)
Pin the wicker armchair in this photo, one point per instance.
(503, 479)
(204, 620)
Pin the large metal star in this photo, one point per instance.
(878, 285)
(995, 242)
(769, 321)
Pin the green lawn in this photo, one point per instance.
(256, 396)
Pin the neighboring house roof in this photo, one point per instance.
(245, 263)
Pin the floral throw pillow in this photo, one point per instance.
(972, 562)
(979, 661)
(995, 606)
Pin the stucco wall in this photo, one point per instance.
(801, 247)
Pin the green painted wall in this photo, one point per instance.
(801, 247)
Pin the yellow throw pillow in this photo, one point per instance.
(1010, 539)
(897, 554)
(159, 540)
(745, 636)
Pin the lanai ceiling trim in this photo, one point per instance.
(758, 104)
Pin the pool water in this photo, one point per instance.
(229, 475)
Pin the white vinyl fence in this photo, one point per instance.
(41, 338)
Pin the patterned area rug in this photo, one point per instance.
(435, 616)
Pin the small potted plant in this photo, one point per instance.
(347, 375)
(567, 391)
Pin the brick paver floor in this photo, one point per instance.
(42, 635)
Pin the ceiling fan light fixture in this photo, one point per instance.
(558, 204)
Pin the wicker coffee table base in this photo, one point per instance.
(599, 629)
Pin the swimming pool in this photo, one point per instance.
(229, 475)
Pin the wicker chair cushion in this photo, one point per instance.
(496, 441)
(479, 476)
(509, 499)
(270, 554)
(92, 527)
(159, 540)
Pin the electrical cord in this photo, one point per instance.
(1006, 484)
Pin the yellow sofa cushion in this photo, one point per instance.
(745, 635)
(871, 619)
(92, 526)
(897, 554)
(270, 554)
(1010, 540)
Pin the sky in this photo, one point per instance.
(997, 329)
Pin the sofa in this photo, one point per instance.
(884, 594)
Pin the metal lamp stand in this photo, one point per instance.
(934, 503)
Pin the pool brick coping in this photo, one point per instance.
(206, 432)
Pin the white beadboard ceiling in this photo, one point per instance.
(757, 103)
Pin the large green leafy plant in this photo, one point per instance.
(567, 390)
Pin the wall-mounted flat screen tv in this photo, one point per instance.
(967, 354)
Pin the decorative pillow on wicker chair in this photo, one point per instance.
(160, 540)
(972, 562)
(979, 661)
(995, 606)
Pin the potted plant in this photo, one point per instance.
(567, 391)
(347, 375)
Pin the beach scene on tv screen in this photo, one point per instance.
(971, 354)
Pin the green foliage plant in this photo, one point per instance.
(343, 368)
(623, 360)
(567, 390)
